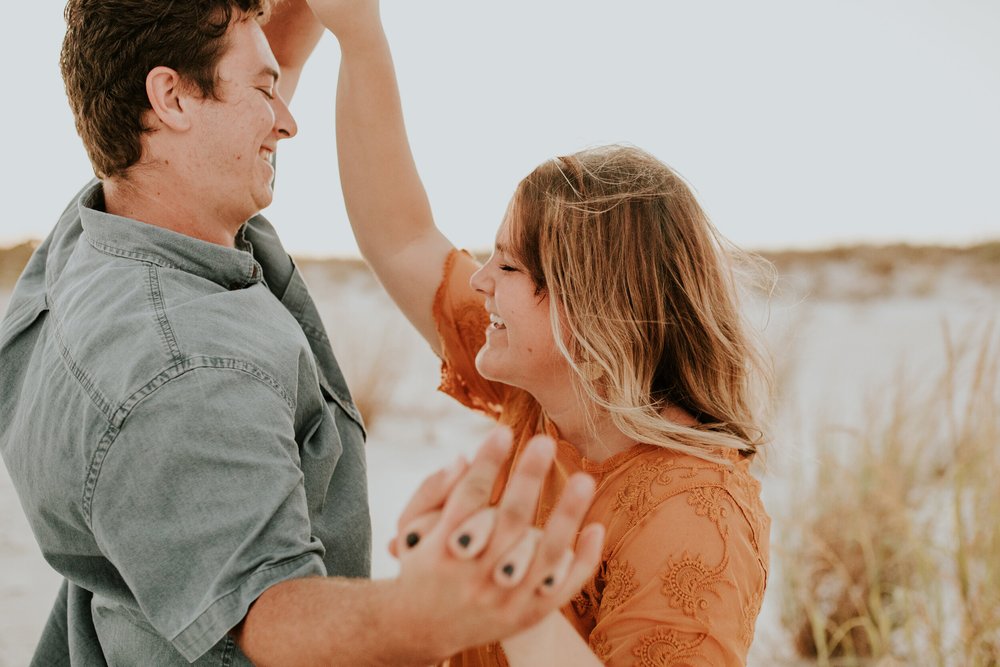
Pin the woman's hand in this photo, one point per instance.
(492, 585)
(348, 19)
(293, 32)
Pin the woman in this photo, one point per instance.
(610, 323)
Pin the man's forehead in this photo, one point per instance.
(249, 52)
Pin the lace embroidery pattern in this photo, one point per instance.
(667, 615)
(664, 647)
(586, 601)
(470, 322)
(708, 501)
(687, 580)
(600, 645)
(750, 611)
(620, 584)
(636, 496)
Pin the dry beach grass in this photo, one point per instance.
(893, 555)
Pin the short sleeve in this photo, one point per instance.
(200, 504)
(461, 320)
(682, 587)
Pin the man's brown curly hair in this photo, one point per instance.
(110, 47)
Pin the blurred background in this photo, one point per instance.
(853, 143)
(799, 124)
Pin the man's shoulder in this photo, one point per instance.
(126, 323)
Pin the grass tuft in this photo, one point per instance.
(893, 556)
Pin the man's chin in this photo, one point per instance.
(263, 200)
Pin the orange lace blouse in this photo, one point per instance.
(685, 559)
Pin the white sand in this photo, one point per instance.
(831, 351)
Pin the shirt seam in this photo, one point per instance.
(117, 418)
(156, 301)
(131, 254)
(294, 299)
(87, 382)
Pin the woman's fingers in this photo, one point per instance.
(588, 555)
(413, 532)
(513, 565)
(561, 531)
(470, 538)
(474, 489)
(554, 580)
(519, 505)
(432, 493)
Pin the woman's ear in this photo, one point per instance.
(168, 98)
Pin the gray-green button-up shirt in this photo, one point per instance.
(178, 432)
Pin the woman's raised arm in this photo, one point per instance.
(386, 202)
(293, 32)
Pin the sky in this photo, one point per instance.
(798, 123)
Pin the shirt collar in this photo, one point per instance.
(232, 268)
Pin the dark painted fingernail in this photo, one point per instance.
(508, 570)
(412, 539)
(464, 539)
(549, 580)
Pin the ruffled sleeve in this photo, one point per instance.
(461, 320)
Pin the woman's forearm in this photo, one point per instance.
(385, 198)
(552, 641)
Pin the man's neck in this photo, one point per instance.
(164, 202)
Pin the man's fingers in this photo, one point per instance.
(432, 493)
(474, 489)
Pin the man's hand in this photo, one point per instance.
(486, 584)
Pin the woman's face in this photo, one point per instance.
(520, 349)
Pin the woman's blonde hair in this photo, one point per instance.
(644, 298)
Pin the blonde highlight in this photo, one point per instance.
(644, 298)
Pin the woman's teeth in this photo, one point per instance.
(496, 322)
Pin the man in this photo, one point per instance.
(172, 416)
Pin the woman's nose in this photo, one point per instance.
(480, 281)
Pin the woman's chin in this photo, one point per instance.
(488, 367)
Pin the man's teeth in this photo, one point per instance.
(496, 322)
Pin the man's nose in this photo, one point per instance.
(284, 122)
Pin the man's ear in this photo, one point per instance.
(168, 97)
